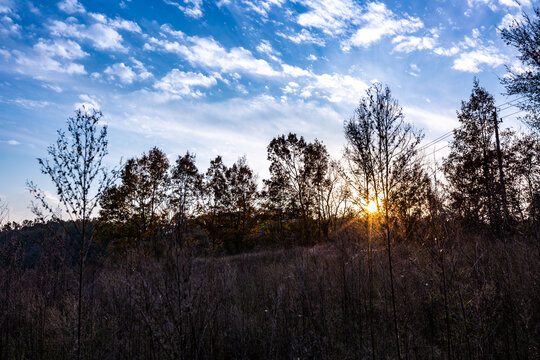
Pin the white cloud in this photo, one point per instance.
(294, 71)
(227, 127)
(471, 61)
(311, 57)
(377, 22)
(38, 66)
(304, 36)
(192, 8)
(142, 72)
(176, 33)
(468, 42)
(409, 44)
(492, 4)
(339, 88)
(10, 142)
(208, 53)
(30, 104)
(50, 56)
(180, 84)
(6, 6)
(71, 6)
(102, 35)
(266, 48)
(88, 103)
(438, 122)
(125, 74)
(9, 27)
(510, 19)
(53, 87)
(454, 50)
(121, 72)
(262, 7)
(291, 87)
(518, 68)
(414, 70)
(66, 49)
(330, 16)
(117, 23)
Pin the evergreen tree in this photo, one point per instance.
(524, 35)
(471, 166)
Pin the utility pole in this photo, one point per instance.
(501, 172)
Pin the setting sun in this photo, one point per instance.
(371, 207)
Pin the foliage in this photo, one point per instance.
(472, 163)
(382, 154)
(524, 35)
(298, 174)
(134, 211)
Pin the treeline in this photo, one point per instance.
(491, 184)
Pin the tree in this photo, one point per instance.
(297, 168)
(382, 154)
(242, 184)
(471, 166)
(382, 151)
(217, 196)
(524, 35)
(522, 154)
(133, 211)
(77, 171)
(186, 191)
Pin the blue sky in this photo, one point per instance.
(225, 77)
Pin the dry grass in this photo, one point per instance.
(294, 303)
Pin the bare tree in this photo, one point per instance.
(382, 149)
(76, 169)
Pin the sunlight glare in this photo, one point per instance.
(371, 207)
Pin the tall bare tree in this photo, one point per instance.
(382, 150)
(76, 169)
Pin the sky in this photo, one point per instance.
(225, 77)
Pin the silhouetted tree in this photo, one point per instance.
(76, 169)
(242, 184)
(296, 169)
(382, 154)
(382, 149)
(471, 166)
(186, 192)
(217, 198)
(524, 35)
(522, 167)
(134, 210)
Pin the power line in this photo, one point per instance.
(434, 151)
(514, 113)
(446, 135)
(439, 139)
(511, 106)
(510, 101)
